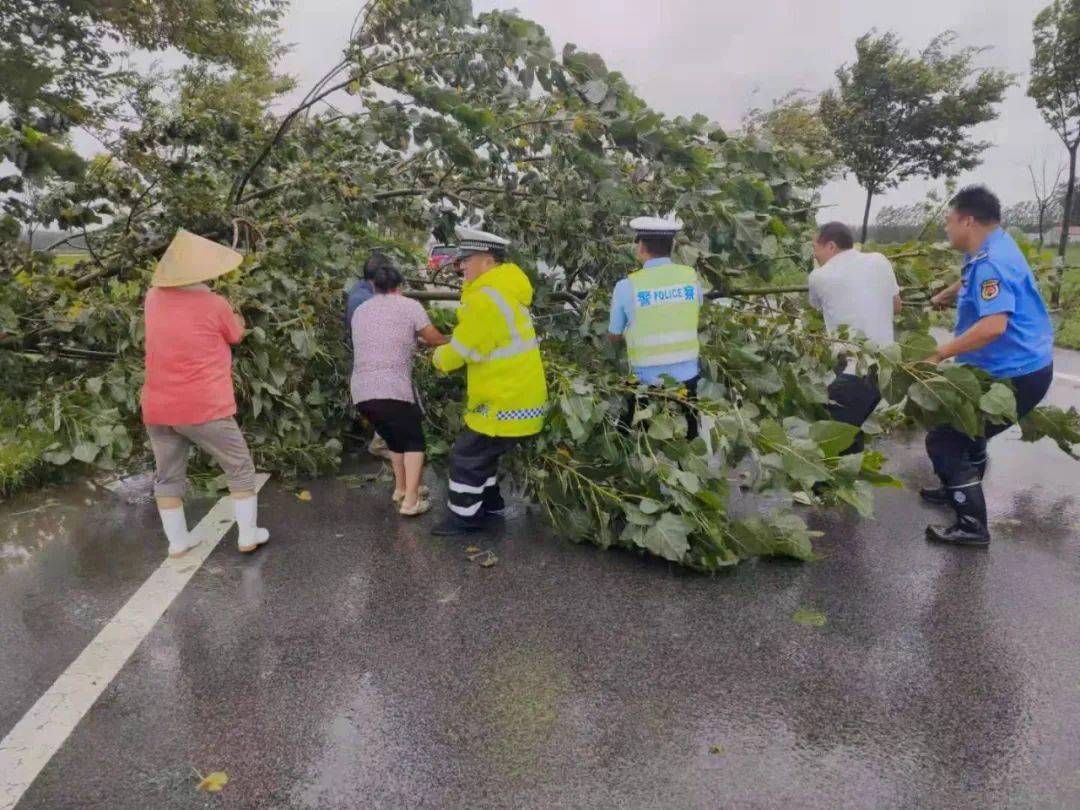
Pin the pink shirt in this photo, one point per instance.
(188, 357)
(384, 332)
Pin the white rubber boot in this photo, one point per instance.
(250, 536)
(175, 525)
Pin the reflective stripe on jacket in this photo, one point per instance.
(495, 339)
(664, 329)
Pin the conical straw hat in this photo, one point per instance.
(191, 259)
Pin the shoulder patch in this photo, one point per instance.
(990, 288)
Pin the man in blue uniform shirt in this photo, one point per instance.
(1002, 326)
(656, 312)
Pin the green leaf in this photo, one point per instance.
(916, 346)
(833, 437)
(85, 452)
(667, 538)
(963, 380)
(809, 618)
(636, 515)
(924, 396)
(650, 507)
(595, 90)
(301, 342)
(662, 427)
(804, 461)
(999, 403)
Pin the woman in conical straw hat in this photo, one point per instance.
(188, 397)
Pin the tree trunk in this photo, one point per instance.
(1066, 221)
(1042, 224)
(866, 214)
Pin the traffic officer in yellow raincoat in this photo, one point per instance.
(507, 393)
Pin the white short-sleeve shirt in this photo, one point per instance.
(856, 290)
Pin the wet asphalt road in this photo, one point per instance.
(358, 662)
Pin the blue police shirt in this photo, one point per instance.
(994, 280)
(622, 317)
(362, 291)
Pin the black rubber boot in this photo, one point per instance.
(493, 502)
(981, 464)
(970, 526)
(939, 496)
(454, 527)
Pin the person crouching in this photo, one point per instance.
(187, 396)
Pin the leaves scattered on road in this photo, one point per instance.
(213, 782)
(809, 618)
(487, 559)
(358, 481)
(718, 750)
(303, 495)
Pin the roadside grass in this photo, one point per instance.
(69, 259)
(1068, 330)
(20, 453)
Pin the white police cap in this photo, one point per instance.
(656, 226)
(471, 241)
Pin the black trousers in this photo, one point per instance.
(851, 400)
(634, 401)
(474, 468)
(957, 457)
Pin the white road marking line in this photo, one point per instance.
(1067, 377)
(29, 746)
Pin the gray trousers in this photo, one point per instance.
(221, 439)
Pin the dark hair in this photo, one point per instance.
(658, 246)
(374, 263)
(978, 202)
(838, 233)
(386, 278)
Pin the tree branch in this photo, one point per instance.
(241, 182)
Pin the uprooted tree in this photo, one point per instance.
(433, 117)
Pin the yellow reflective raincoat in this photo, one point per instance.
(507, 392)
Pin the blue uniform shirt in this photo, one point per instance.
(362, 291)
(622, 317)
(998, 279)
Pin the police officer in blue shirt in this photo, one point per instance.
(656, 312)
(1002, 326)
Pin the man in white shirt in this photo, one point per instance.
(857, 290)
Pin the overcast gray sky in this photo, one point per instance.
(719, 58)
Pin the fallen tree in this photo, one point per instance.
(454, 118)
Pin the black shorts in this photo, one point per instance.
(397, 421)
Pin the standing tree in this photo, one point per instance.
(794, 122)
(1048, 196)
(895, 116)
(62, 67)
(1055, 86)
(1046, 205)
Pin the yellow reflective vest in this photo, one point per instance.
(664, 326)
(495, 339)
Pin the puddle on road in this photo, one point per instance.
(56, 514)
(31, 521)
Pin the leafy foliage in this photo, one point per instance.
(794, 123)
(60, 68)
